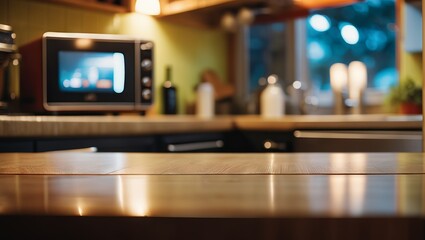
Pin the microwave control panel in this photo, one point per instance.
(146, 73)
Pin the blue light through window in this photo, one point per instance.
(364, 32)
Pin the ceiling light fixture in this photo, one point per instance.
(148, 7)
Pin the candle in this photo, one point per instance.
(339, 77)
(357, 82)
(357, 79)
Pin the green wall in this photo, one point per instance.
(411, 66)
(188, 50)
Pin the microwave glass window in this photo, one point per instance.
(91, 71)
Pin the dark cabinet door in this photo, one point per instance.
(18, 145)
(100, 144)
(264, 141)
(357, 141)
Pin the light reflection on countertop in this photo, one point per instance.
(213, 196)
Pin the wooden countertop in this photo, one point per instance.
(212, 163)
(30, 126)
(50, 126)
(330, 122)
(228, 196)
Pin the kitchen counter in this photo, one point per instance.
(213, 196)
(334, 122)
(212, 163)
(52, 126)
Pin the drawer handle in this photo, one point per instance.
(270, 145)
(195, 146)
(88, 150)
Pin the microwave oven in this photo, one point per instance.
(69, 72)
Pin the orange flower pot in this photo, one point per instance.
(410, 108)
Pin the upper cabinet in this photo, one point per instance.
(117, 6)
(202, 13)
(170, 7)
(208, 13)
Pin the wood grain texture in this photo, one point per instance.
(329, 122)
(54, 126)
(212, 163)
(212, 196)
(46, 126)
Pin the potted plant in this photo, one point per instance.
(406, 97)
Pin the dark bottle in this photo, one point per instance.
(169, 94)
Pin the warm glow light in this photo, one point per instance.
(148, 7)
(135, 196)
(80, 211)
(338, 185)
(272, 79)
(83, 43)
(80, 206)
(322, 3)
(339, 76)
(357, 79)
(271, 184)
(356, 193)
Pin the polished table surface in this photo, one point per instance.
(356, 190)
(212, 163)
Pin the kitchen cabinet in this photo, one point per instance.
(188, 142)
(352, 133)
(201, 13)
(207, 13)
(118, 6)
(265, 141)
(101, 144)
(16, 145)
(357, 141)
(169, 7)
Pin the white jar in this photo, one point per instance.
(205, 100)
(272, 101)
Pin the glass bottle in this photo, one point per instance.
(169, 94)
(272, 99)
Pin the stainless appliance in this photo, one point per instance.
(81, 72)
(9, 70)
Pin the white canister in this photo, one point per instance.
(272, 101)
(205, 100)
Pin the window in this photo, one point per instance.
(360, 32)
(268, 52)
(305, 49)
